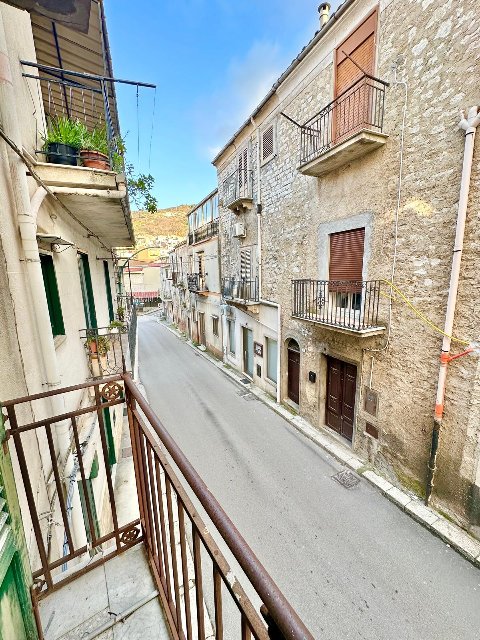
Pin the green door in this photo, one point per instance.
(87, 291)
(11, 617)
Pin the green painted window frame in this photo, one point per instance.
(87, 291)
(52, 295)
(108, 288)
(93, 508)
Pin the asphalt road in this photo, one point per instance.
(351, 563)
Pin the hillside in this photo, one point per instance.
(164, 222)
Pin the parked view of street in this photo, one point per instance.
(350, 562)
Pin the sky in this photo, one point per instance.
(212, 61)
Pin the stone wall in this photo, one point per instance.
(435, 47)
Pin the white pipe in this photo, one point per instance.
(469, 125)
(259, 258)
(27, 221)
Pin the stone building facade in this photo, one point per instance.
(368, 186)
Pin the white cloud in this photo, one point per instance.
(246, 82)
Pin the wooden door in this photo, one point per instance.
(353, 58)
(294, 372)
(201, 320)
(248, 351)
(341, 389)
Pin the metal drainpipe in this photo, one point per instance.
(469, 124)
(27, 211)
(259, 251)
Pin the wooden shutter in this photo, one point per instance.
(267, 143)
(346, 258)
(245, 264)
(360, 46)
(243, 167)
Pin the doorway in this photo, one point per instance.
(293, 372)
(341, 390)
(201, 323)
(248, 351)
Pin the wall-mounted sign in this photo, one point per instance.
(258, 348)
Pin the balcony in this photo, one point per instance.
(241, 290)
(344, 305)
(346, 129)
(152, 568)
(105, 350)
(196, 283)
(79, 150)
(209, 230)
(238, 191)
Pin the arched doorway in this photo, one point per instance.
(293, 372)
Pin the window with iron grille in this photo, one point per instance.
(268, 144)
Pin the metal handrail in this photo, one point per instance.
(280, 610)
(340, 95)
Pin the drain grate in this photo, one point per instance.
(347, 479)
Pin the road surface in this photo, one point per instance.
(351, 563)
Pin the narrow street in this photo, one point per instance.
(351, 563)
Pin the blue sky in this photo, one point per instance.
(212, 62)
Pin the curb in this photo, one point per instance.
(453, 535)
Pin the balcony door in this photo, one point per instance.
(345, 274)
(341, 390)
(354, 58)
(87, 291)
(248, 351)
(201, 329)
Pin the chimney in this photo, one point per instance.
(324, 11)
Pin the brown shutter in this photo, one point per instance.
(360, 46)
(346, 258)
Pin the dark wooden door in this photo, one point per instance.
(294, 374)
(341, 388)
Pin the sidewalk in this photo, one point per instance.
(450, 533)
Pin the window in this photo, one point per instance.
(87, 291)
(109, 291)
(245, 264)
(268, 144)
(215, 325)
(243, 168)
(272, 354)
(346, 266)
(231, 336)
(51, 292)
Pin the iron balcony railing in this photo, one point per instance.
(196, 282)
(209, 230)
(359, 107)
(346, 304)
(104, 347)
(188, 566)
(79, 98)
(240, 289)
(238, 186)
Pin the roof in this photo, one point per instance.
(293, 65)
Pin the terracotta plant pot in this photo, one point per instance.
(94, 160)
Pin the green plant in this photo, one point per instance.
(121, 313)
(65, 131)
(95, 140)
(116, 324)
(140, 189)
(99, 344)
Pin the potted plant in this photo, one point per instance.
(121, 313)
(63, 140)
(94, 149)
(98, 346)
(116, 326)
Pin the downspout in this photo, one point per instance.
(469, 124)
(27, 211)
(259, 254)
